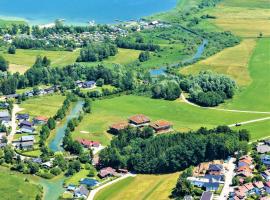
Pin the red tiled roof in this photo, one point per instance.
(139, 119)
(267, 184)
(259, 184)
(160, 124)
(41, 118)
(88, 143)
(244, 168)
(242, 189)
(119, 126)
(106, 171)
(249, 186)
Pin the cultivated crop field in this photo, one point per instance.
(231, 61)
(256, 96)
(140, 187)
(246, 18)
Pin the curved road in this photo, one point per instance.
(95, 191)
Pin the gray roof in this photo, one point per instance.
(4, 114)
(263, 148)
(207, 196)
(28, 138)
(27, 144)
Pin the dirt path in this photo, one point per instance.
(15, 110)
(95, 191)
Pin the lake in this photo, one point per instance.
(82, 11)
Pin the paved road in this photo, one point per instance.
(15, 110)
(95, 191)
(222, 109)
(228, 180)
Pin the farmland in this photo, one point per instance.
(14, 186)
(256, 96)
(246, 18)
(183, 116)
(140, 187)
(24, 59)
(232, 61)
(44, 105)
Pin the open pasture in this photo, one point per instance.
(141, 187)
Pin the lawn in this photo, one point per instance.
(141, 187)
(183, 116)
(256, 96)
(43, 105)
(14, 186)
(231, 61)
(23, 59)
(260, 128)
(246, 18)
(6, 22)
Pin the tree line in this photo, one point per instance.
(126, 44)
(137, 150)
(97, 52)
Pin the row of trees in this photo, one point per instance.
(167, 89)
(126, 44)
(139, 151)
(97, 52)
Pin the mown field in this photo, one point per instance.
(141, 187)
(24, 59)
(183, 116)
(246, 18)
(256, 96)
(231, 61)
(43, 105)
(14, 186)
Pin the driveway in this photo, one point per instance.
(228, 180)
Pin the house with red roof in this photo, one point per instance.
(250, 188)
(267, 187)
(105, 172)
(40, 120)
(139, 120)
(116, 128)
(88, 143)
(259, 187)
(161, 126)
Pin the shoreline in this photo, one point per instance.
(80, 23)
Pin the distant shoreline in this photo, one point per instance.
(75, 23)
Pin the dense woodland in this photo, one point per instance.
(97, 52)
(208, 88)
(138, 150)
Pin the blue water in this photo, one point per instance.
(82, 11)
(55, 144)
(162, 70)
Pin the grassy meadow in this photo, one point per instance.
(141, 187)
(43, 105)
(246, 18)
(24, 59)
(256, 96)
(183, 116)
(231, 61)
(14, 186)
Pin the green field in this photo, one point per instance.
(256, 96)
(141, 187)
(246, 18)
(183, 116)
(24, 59)
(8, 22)
(231, 61)
(44, 105)
(13, 186)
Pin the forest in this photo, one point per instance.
(139, 151)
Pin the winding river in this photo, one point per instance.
(56, 142)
